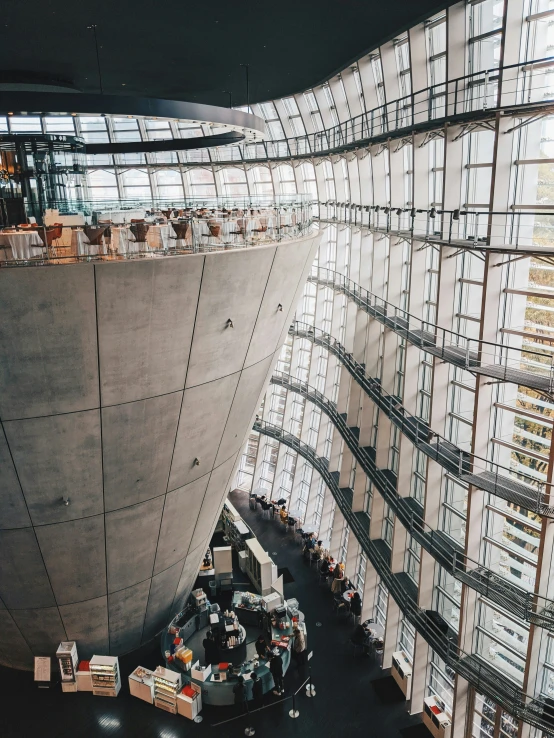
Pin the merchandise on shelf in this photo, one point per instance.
(106, 681)
(67, 662)
(167, 685)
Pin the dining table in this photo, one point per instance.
(23, 244)
(123, 240)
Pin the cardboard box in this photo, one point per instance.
(201, 672)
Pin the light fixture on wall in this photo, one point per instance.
(279, 308)
(65, 501)
(229, 323)
(196, 461)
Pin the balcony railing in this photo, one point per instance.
(150, 238)
(472, 667)
(506, 363)
(465, 229)
(513, 486)
(508, 595)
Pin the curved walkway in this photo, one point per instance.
(478, 357)
(409, 511)
(519, 489)
(471, 667)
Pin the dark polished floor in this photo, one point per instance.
(345, 702)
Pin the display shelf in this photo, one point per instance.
(67, 662)
(104, 671)
(260, 567)
(167, 685)
(141, 684)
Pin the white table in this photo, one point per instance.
(157, 236)
(23, 244)
(347, 596)
(80, 243)
(123, 241)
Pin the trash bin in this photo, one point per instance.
(213, 587)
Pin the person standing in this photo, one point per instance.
(261, 647)
(356, 607)
(240, 694)
(211, 651)
(276, 669)
(257, 691)
(299, 648)
(338, 575)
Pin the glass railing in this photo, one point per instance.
(151, 236)
(512, 485)
(467, 229)
(124, 206)
(534, 369)
(472, 667)
(508, 595)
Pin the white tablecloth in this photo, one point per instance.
(158, 236)
(81, 245)
(123, 241)
(24, 244)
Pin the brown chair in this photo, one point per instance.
(50, 235)
(139, 229)
(215, 229)
(181, 230)
(95, 233)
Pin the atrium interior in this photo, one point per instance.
(340, 298)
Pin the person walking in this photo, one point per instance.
(240, 694)
(257, 691)
(276, 669)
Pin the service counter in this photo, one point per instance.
(219, 691)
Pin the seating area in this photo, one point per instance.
(125, 234)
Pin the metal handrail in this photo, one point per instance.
(516, 600)
(472, 667)
(473, 355)
(484, 474)
(463, 228)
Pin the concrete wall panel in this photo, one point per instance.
(13, 512)
(229, 291)
(23, 579)
(74, 554)
(131, 540)
(178, 522)
(216, 492)
(59, 457)
(87, 623)
(14, 650)
(137, 441)
(49, 359)
(41, 629)
(197, 437)
(252, 384)
(160, 598)
(281, 290)
(126, 614)
(146, 312)
(121, 375)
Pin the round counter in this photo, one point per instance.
(220, 691)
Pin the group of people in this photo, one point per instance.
(275, 665)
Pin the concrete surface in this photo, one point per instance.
(124, 391)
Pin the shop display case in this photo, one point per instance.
(402, 672)
(106, 681)
(67, 662)
(435, 719)
(189, 701)
(84, 677)
(260, 567)
(235, 528)
(141, 684)
(167, 685)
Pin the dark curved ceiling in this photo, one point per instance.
(193, 51)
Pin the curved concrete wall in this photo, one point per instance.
(114, 378)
